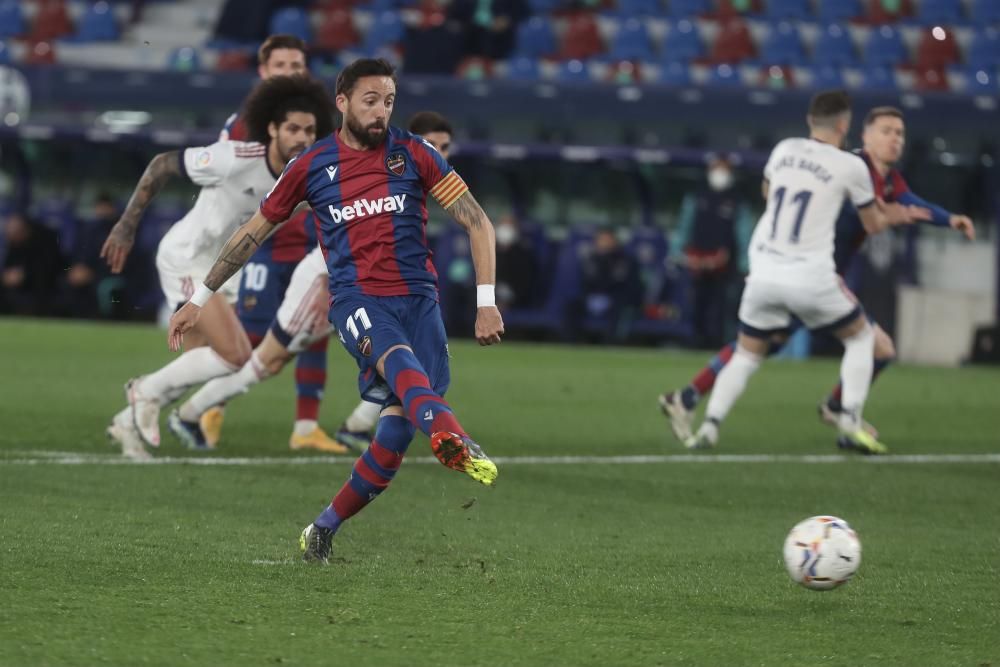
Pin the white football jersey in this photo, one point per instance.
(808, 182)
(234, 176)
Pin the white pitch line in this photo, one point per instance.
(64, 458)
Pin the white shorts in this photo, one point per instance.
(768, 307)
(302, 315)
(179, 282)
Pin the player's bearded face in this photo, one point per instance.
(367, 111)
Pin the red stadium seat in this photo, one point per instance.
(336, 31)
(233, 61)
(932, 79)
(888, 11)
(40, 53)
(582, 39)
(51, 22)
(733, 43)
(937, 48)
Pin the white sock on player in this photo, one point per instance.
(193, 367)
(221, 389)
(731, 383)
(364, 417)
(305, 426)
(856, 377)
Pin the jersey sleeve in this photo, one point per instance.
(289, 190)
(860, 190)
(208, 165)
(437, 176)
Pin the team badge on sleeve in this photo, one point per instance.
(396, 163)
(365, 346)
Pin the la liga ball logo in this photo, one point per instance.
(365, 346)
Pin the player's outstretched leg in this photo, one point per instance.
(679, 405)
(371, 475)
(856, 371)
(731, 383)
(885, 354)
(431, 414)
(356, 431)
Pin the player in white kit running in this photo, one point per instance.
(285, 113)
(792, 271)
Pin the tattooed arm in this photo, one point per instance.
(468, 213)
(119, 242)
(234, 255)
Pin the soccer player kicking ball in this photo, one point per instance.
(792, 270)
(883, 139)
(287, 112)
(368, 185)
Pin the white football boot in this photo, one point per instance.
(145, 412)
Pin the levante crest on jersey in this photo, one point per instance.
(396, 163)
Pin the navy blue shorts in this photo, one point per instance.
(371, 325)
(262, 288)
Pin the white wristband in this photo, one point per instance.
(485, 296)
(201, 295)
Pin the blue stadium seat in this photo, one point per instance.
(184, 59)
(573, 70)
(985, 12)
(825, 77)
(783, 46)
(834, 47)
(12, 21)
(388, 28)
(725, 76)
(523, 69)
(800, 10)
(97, 24)
(879, 78)
(686, 9)
(838, 11)
(4, 53)
(979, 81)
(683, 43)
(885, 47)
(940, 12)
(984, 50)
(632, 42)
(633, 8)
(536, 38)
(543, 7)
(675, 74)
(291, 21)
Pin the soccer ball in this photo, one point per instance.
(822, 552)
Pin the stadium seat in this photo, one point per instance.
(885, 48)
(523, 69)
(543, 7)
(573, 70)
(682, 44)
(940, 12)
(635, 8)
(582, 39)
(784, 10)
(776, 77)
(834, 47)
(12, 23)
(632, 42)
(985, 12)
(937, 48)
(388, 28)
(474, 68)
(291, 21)
(536, 39)
(726, 9)
(726, 76)
(184, 59)
(733, 44)
(97, 24)
(980, 81)
(51, 22)
(4, 53)
(675, 74)
(336, 31)
(40, 53)
(783, 46)
(882, 12)
(624, 73)
(825, 77)
(687, 9)
(839, 11)
(931, 79)
(233, 60)
(984, 51)
(879, 78)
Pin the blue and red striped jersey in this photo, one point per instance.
(370, 208)
(850, 233)
(295, 238)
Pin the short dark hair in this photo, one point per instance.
(429, 121)
(272, 100)
(879, 112)
(348, 77)
(828, 104)
(279, 42)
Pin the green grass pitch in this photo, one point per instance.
(591, 563)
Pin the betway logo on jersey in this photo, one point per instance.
(362, 208)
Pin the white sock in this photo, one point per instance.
(191, 368)
(305, 426)
(856, 377)
(221, 389)
(731, 382)
(364, 417)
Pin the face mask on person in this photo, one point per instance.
(720, 178)
(506, 235)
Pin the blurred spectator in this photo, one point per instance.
(517, 266)
(711, 241)
(611, 290)
(31, 268)
(90, 289)
(490, 25)
(435, 46)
